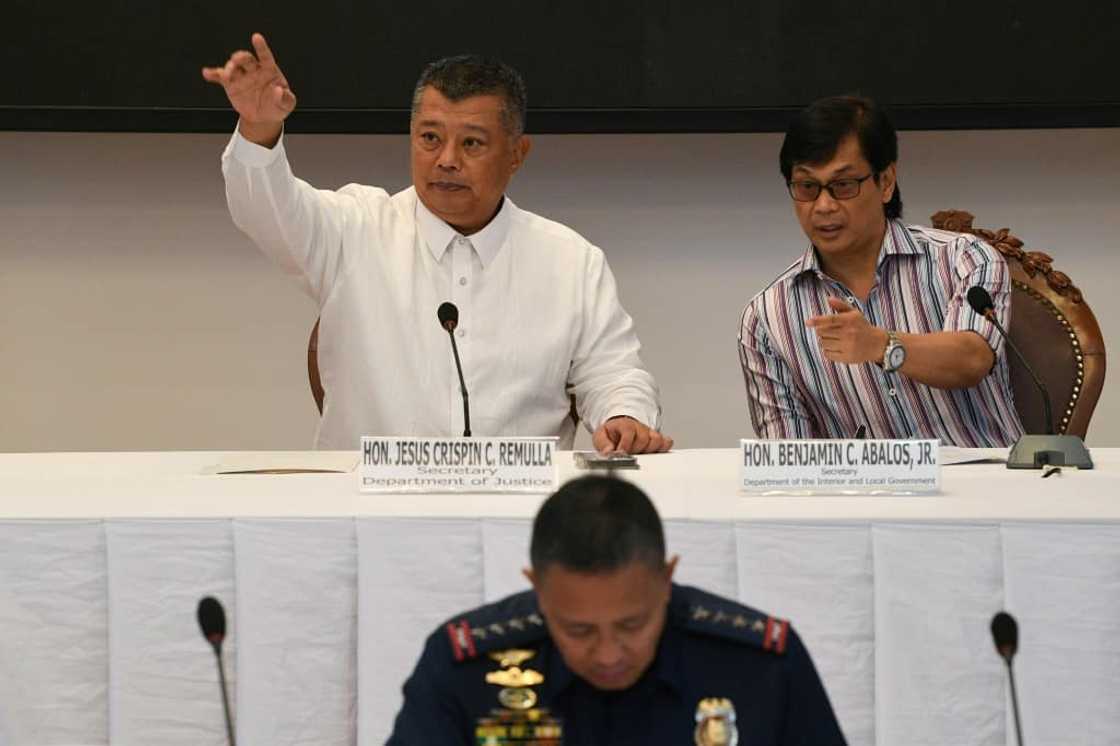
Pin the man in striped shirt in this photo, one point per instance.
(870, 330)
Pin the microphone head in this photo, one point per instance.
(980, 300)
(212, 620)
(1005, 633)
(448, 316)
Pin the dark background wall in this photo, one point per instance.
(592, 66)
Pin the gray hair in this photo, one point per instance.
(467, 75)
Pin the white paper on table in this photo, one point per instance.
(951, 455)
(285, 462)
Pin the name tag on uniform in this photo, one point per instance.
(846, 467)
(400, 464)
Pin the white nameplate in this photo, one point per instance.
(840, 467)
(400, 464)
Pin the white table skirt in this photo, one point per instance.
(99, 644)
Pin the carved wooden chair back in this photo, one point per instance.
(1054, 328)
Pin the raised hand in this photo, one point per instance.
(257, 89)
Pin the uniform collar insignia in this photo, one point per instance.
(515, 677)
(512, 657)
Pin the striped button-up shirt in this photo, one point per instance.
(921, 282)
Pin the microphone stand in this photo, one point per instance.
(450, 327)
(225, 695)
(1014, 704)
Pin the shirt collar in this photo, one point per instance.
(899, 239)
(668, 666)
(896, 241)
(486, 242)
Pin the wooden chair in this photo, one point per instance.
(313, 367)
(1054, 328)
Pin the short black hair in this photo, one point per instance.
(466, 75)
(597, 524)
(817, 130)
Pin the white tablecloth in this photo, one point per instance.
(330, 593)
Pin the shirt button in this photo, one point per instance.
(462, 280)
(463, 333)
(893, 391)
(851, 300)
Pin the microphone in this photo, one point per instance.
(212, 621)
(448, 314)
(1005, 633)
(981, 303)
(1033, 451)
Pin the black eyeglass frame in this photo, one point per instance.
(830, 187)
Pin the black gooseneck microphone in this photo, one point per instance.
(1005, 633)
(981, 303)
(212, 620)
(448, 314)
(1033, 451)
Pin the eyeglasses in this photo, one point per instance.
(808, 191)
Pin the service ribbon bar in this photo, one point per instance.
(840, 467)
(401, 464)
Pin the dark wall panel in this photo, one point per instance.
(619, 65)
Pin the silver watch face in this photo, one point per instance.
(896, 357)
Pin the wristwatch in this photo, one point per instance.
(894, 356)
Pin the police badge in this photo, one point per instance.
(715, 723)
(519, 720)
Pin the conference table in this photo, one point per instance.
(330, 594)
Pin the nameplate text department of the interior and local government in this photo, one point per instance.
(839, 467)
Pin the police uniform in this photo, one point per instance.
(710, 648)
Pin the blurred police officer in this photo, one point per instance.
(606, 649)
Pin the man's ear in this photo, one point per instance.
(521, 150)
(530, 576)
(667, 576)
(671, 567)
(887, 181)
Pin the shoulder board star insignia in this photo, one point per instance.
(514, 622)
(704, 614)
